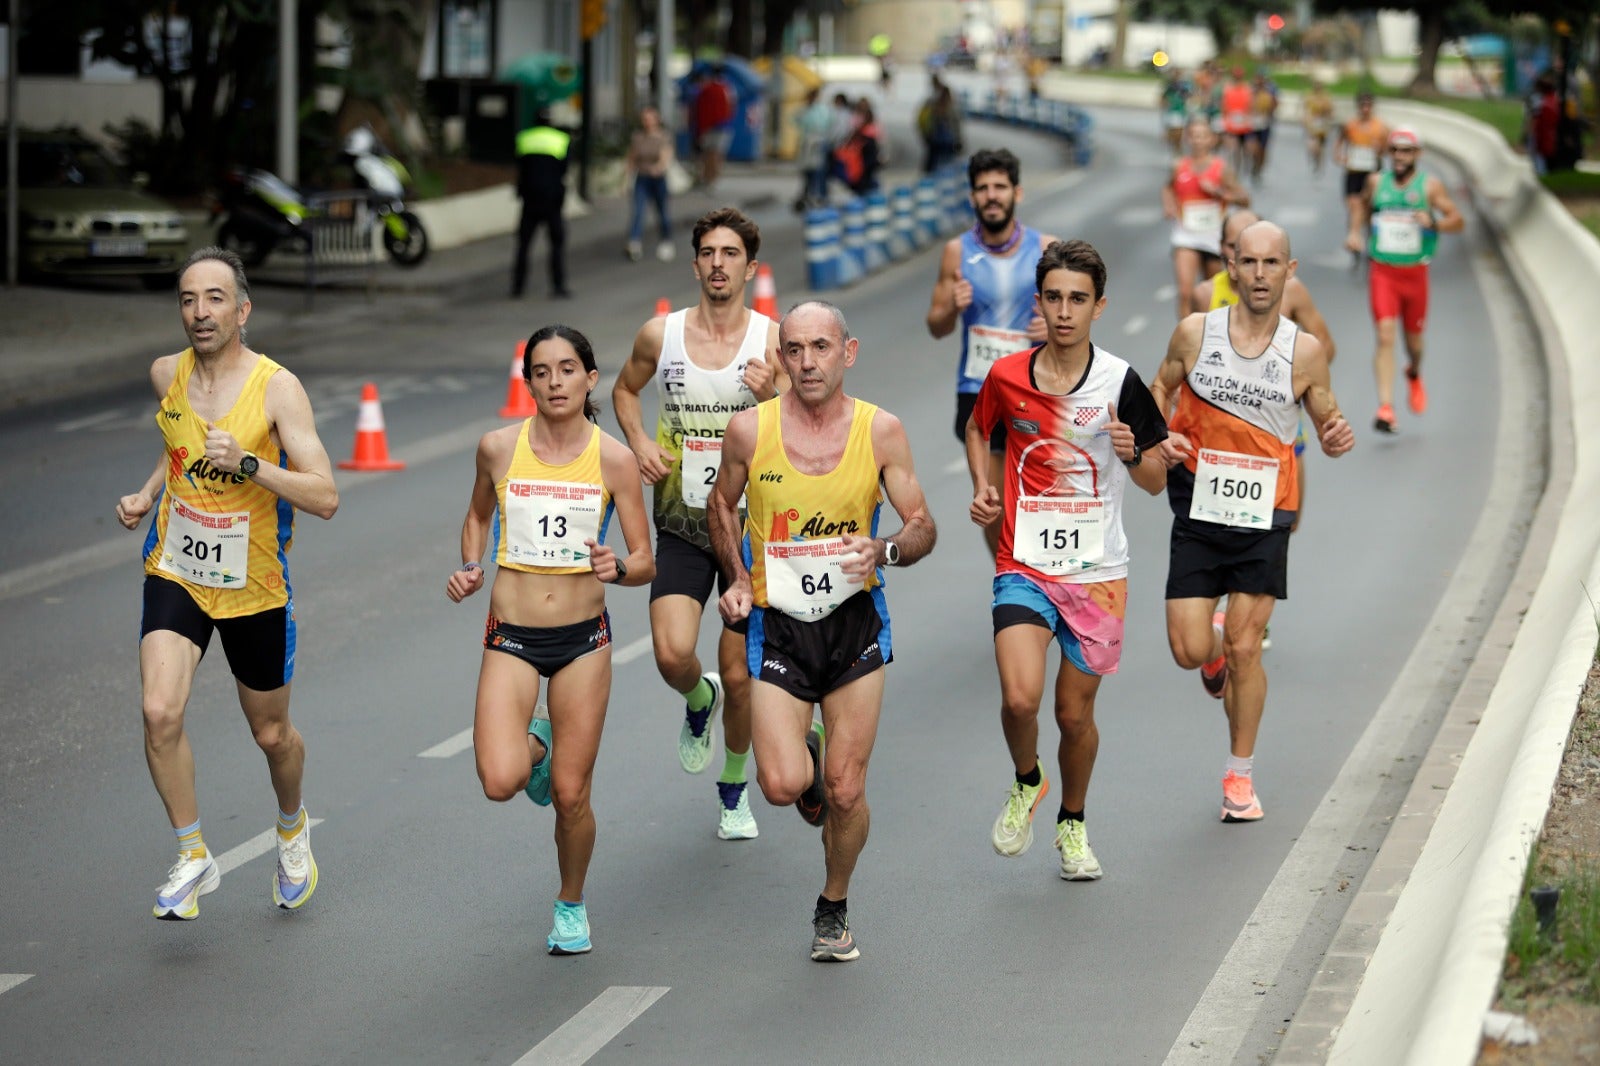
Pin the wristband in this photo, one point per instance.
(472, 566)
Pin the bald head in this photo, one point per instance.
(1265, 238)
(1234, 224)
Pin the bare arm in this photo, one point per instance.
(917, 533)
(1169, 198)
(1302, 311)
(307, 481)
(132, 508)
(766, 377)
(1182, 350)
(722, 514)
(986, 498)
(620, 470)
(1201, 293)
(952, 293)
(654, 461)
(1314, 386)
(1447, 216)
(1150, 472)
(493, 453)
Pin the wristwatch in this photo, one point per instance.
(891, 553)
(249, 465)
(622, 571)
(1138, 454)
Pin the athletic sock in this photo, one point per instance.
(290, 824)
(190, 845)
(1065, 815)
(701, 696)
(1032, 777)
(1241, 766)
(733, 766)
(826, 904)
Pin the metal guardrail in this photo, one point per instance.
(343, 232)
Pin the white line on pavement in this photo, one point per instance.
(958, 466)
(1165, 293)
(8, 981)
(255, 847)
(1136, 324)
(122, 550)
(453, 746)
(1145, 215)
(586, 1032)
(74, 424)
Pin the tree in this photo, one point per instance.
(1227, 22)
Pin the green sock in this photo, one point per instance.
(700, 697)
(733, 767)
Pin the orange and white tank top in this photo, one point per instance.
(221, 536)
(1241, 415)
(794, 522)
(546, 512)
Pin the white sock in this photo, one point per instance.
(1241, 766)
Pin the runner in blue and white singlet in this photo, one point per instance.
(986, 286)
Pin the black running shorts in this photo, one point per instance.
(259, 647)
(684, 569)
(549, 648)
(808, 660)
(965, 402)
(1208, 560)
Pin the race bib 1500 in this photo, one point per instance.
(1231, 489)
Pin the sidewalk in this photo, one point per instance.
(74, 338)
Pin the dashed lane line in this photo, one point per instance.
(460, 742)
(254, 848)
(1136, 324)
(8, 981)
(593, 1027)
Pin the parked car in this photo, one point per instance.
(81, 214)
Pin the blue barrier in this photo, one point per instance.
(957, 198)
(823, 249)
(929, 212)
(877, 230)
(1050, 116)
(854, 259)
(903, 223)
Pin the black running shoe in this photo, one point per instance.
(832, 941)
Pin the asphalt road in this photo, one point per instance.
(425, 942)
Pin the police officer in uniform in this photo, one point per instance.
(542, 188)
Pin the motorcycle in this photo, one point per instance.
(264, 211)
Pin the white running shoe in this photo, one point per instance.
(635, 251)
(179, 899)
(1077, 858)
(694, 739)
(665, 251)
(737, 822)
(296, 876)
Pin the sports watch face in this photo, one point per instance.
(249, 465)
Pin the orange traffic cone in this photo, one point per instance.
(766, 301)
(519, 401)
(663, 307)
(372, 440)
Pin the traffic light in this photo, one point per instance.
(1274, 23)
(592, 18)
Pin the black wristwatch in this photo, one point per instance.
(891, 553)
(1138, 454)
(622, 571)
(249, 465)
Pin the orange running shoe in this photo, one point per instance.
(1416, 395)
(1384, 421)
(1239, 803)
(1214, 674)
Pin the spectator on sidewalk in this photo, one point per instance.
(649, 159)
(860, 158)
(542, 187)
(813, 124)
(842, 125)
(713, 123)
(939, 124)
(1541, 122)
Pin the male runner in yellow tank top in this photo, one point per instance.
(805, 569)
(241, 456)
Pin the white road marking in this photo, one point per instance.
(254, 848)
(1146, 215)
(455, 745)
(8, 981)
(1136, 324)
(1166, 293)
(1293, 215)
(593, 1027)
(75, 424)
(123, 550)
(959, 466)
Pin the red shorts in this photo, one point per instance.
(1399, 292)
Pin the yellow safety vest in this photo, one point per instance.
(543, 140)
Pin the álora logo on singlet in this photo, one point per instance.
(547, 522)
